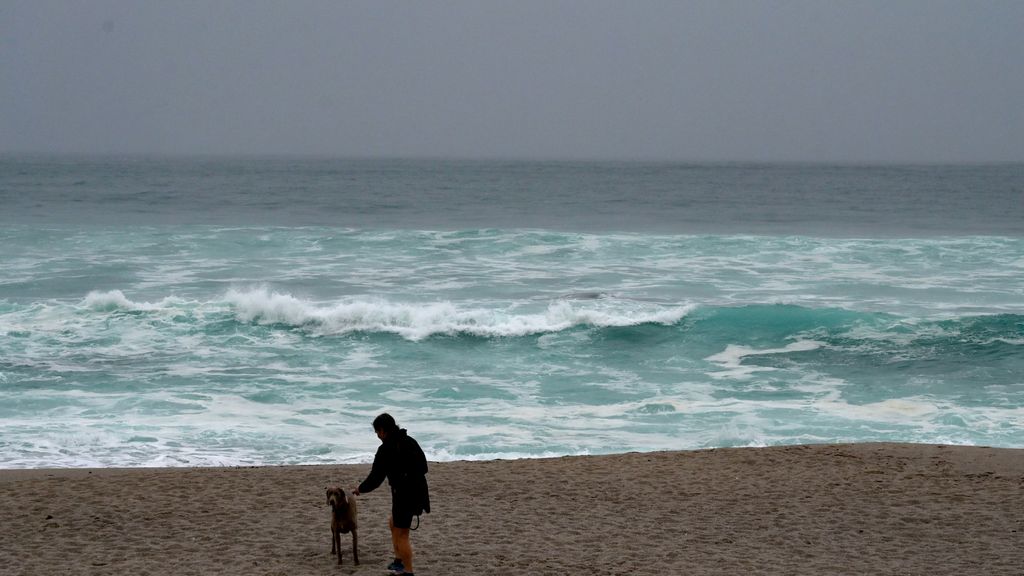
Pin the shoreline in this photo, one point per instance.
(800, 509)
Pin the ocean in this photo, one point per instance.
(261, 311)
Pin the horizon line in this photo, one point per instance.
(144, 155)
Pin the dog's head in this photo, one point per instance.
(336, 497)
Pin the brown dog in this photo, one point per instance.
(343, 521)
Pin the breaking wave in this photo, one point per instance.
(422, 320)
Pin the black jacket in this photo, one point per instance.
(402, 462)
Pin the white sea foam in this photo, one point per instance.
(418, 321)
(116, 300)
(731, 359)
(233, 429)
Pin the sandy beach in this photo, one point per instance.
(823, 509)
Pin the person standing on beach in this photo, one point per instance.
(400, 460)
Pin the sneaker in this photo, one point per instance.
(396, 567)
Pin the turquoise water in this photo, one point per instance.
(201, 312)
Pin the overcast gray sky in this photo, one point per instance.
(892, 80)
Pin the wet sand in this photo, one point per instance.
(822, 509)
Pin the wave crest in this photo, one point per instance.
(116, 300)
(419, 321)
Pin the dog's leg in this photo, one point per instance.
(336, 543)
(355, 547)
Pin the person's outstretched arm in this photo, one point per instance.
(376, 477)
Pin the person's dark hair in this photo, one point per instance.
(385, 422)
